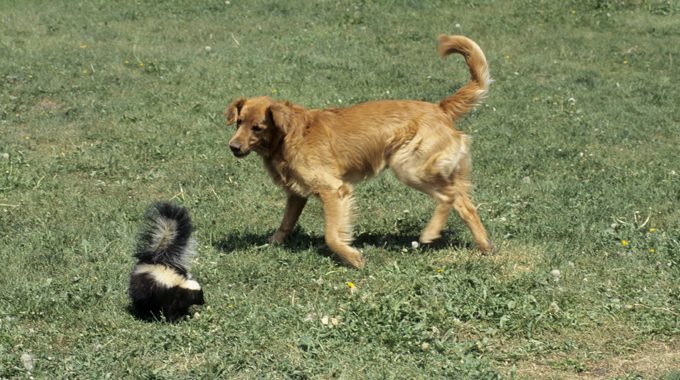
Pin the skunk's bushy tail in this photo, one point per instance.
(166, 236)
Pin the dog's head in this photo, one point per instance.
(261, 124)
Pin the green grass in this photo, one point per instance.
(106, 107)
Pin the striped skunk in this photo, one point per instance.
(160, 284)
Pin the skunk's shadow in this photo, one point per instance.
(300, 240)
(152, 318)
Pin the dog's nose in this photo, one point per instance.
(235, 148)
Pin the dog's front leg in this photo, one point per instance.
(337, 207)
(294, 206)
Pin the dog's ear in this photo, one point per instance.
(282, 116)
(233, 109)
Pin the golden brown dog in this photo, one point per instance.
(322, 152)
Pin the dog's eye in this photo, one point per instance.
(257, 128)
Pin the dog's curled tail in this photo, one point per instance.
(470, 95)
(166, 236)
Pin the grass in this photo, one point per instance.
(106, 107)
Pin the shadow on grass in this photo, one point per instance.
(398, 241)
(152, 318)
(297, 241)
(300, 241)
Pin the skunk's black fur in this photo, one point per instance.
(160, 284)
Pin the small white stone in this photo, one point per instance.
(208, 49)
(555, 273)
(415, 245)
(554, 308)
(27, 361)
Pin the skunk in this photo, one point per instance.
(160, 284)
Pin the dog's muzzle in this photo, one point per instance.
(236, 150)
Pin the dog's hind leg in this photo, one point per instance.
(337, 207)
(451, 191)
(433, 229)
(468, 212)
(455, 196)
(294, 206)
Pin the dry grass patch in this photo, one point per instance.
(602, 353)
(652, 360)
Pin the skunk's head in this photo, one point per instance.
(180, 299)
(158, 290)
(192, 292)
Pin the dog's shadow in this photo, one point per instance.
(297, 241)
(300, 240)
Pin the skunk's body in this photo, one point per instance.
(160, 283)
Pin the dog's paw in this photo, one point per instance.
(358, 264)
(354, 261)
(427, 238)
(278, 237)
(489, 248)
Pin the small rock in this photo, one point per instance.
(27, 361)
(554, 308)
(415, 245)
(555, 273)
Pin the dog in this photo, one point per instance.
(322, 152)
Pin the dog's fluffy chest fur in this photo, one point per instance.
(281, 173)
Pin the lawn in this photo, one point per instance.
(108, 106)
